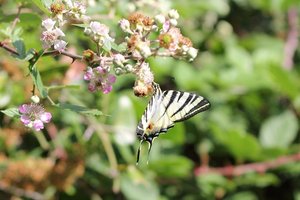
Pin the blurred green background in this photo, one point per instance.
(247, 66)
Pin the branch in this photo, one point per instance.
(292, 39)
(238, 170)
(21, 192)
(7, 48)
(55, 52)
(47, 53)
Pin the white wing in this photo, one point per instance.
(166, 108)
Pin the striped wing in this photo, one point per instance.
(180, 106)
(167, 107)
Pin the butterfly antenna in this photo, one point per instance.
(149, 149)
(138, 153)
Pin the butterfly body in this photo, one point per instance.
(164, 109)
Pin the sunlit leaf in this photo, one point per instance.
(279, 131)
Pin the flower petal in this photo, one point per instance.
(25, 119)
(46, 117)
(38, 125)
(23, 108)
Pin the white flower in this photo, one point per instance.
(48, 24)
(160, 19)
(98, 28)
(125, 25)
(173, 14)
(119, 59)
(60, 45)
(58, 32)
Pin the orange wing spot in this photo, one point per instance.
(150, 127)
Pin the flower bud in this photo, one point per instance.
(125, 25)
(173, 14)
(173, 22)
(160, 19)
(88, 55)
(192, 52)
(35, 99)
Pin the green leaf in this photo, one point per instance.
(242, 195)
(80, 109)
(168, 166)
(20, 47)
(11, 112)
(279, 131)
(242, 145)
(37, 80)
(135, 187)
(107, 45)
(41, 5)
(283, 81)
(258, 180)
(120, 48)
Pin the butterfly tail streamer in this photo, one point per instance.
(138, 153)
(149, 149)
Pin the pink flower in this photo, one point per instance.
(99, 79)
(34, 116)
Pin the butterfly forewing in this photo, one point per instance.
(180, 106)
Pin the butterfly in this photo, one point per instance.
(164, 109)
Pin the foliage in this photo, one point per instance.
(245, 147)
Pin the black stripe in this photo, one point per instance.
(181, 94)
(200, 105)
(184, 104)
(174, 94)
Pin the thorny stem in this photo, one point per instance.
(239, 170)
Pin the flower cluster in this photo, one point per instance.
(98, 32)
(99, 79)
(51, 36)
(34, 116)
(143, 85)
(52, 33)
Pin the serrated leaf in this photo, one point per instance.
(20, 47)
(80, 109)
(11, 112)
(279, 131)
